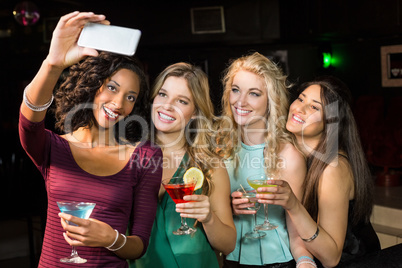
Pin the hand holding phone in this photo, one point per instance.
(116, 39)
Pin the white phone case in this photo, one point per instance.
(120, 40)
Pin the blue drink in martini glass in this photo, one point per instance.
(81, 210)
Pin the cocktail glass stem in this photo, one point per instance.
(266, 214)
(255, 222)
(81, 210)
(73, 258)
(184, 228)
(266, 225)
(74, 253)
(255, 233)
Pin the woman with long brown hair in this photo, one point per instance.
(334, 214)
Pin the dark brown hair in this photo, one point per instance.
(340, 134)
(82, 84)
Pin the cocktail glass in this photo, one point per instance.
(81, 210)
(252, 199)
(177, 189)
(257, 181)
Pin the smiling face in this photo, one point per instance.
(116, 98)
(305, 118)
(173, 106)
(248, 100)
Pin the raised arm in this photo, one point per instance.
(63, 53)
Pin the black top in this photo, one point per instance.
(360, 240)
(388, 258)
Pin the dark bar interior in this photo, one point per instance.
(357, 41)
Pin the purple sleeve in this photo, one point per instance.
(33, 139)
(149, 170)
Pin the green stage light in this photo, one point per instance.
(326, 59)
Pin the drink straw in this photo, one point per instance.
(243, 188)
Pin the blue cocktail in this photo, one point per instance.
(81, 210)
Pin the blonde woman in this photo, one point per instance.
(253, 139)
(182, 114)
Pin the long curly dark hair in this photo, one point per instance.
(77, 91)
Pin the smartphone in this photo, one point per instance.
(120, 40)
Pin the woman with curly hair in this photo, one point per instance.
(182, 115)
(89, 163)
(253, 139)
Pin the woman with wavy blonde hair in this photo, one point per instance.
(182, 115)
(252, 137)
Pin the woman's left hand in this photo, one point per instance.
(198, 208)
(88, 232)
(279, 194)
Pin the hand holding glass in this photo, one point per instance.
(252, 199)
(257, 181)
(177, 189)
(81, 210)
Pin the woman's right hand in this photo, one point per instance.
(64, 50)
(240, 204)
(86, 232)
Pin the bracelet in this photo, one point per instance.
(124, 243)
(304, 257)
(114, 242)
(34, 107)
(310, 262)
(313, 237)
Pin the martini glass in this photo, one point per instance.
(257, 181)
(81, 210)
(177, 189)
(252, 199)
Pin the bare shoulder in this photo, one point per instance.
(293, 167)
(293, 158)
(338, 176)
(220, 180)
(219, 172)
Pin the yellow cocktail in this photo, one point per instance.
(258, 181)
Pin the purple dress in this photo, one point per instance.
(125, 200)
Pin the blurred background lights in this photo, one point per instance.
(26, 13)
(326, 59)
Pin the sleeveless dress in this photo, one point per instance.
(176, 251)
(274, 247)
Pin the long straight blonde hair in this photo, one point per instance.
(198, 132)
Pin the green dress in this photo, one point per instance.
(176, 251)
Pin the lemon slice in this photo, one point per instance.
(194, 173)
